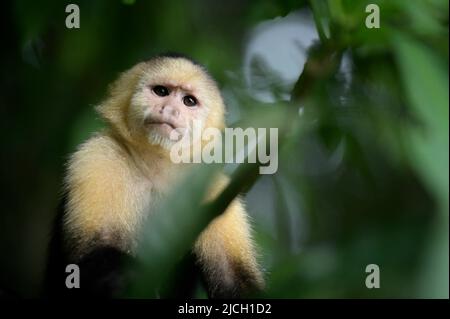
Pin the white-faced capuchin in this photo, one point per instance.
(116, 176)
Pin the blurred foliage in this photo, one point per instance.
(363, 175)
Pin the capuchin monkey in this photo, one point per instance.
(117, 176)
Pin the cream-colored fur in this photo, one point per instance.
(117, 176)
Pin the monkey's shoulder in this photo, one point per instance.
(99, 161)
(100, 148)
(104, 194)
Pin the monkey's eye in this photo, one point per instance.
(161, 90)
(189, 100)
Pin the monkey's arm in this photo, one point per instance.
(101, 268)
(95, 221)
(227, 255)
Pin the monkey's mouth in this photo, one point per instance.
(153, 122)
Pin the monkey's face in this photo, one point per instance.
(167, 111)
(172, 97)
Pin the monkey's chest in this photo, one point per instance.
(148, 194)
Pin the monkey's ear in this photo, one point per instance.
(115, 106)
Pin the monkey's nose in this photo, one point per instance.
(175, 112)
(169, 110)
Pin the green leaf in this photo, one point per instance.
(162, 246)
(425, 80)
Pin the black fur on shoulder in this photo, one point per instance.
(105, 272)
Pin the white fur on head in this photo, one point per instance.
(125, 107)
